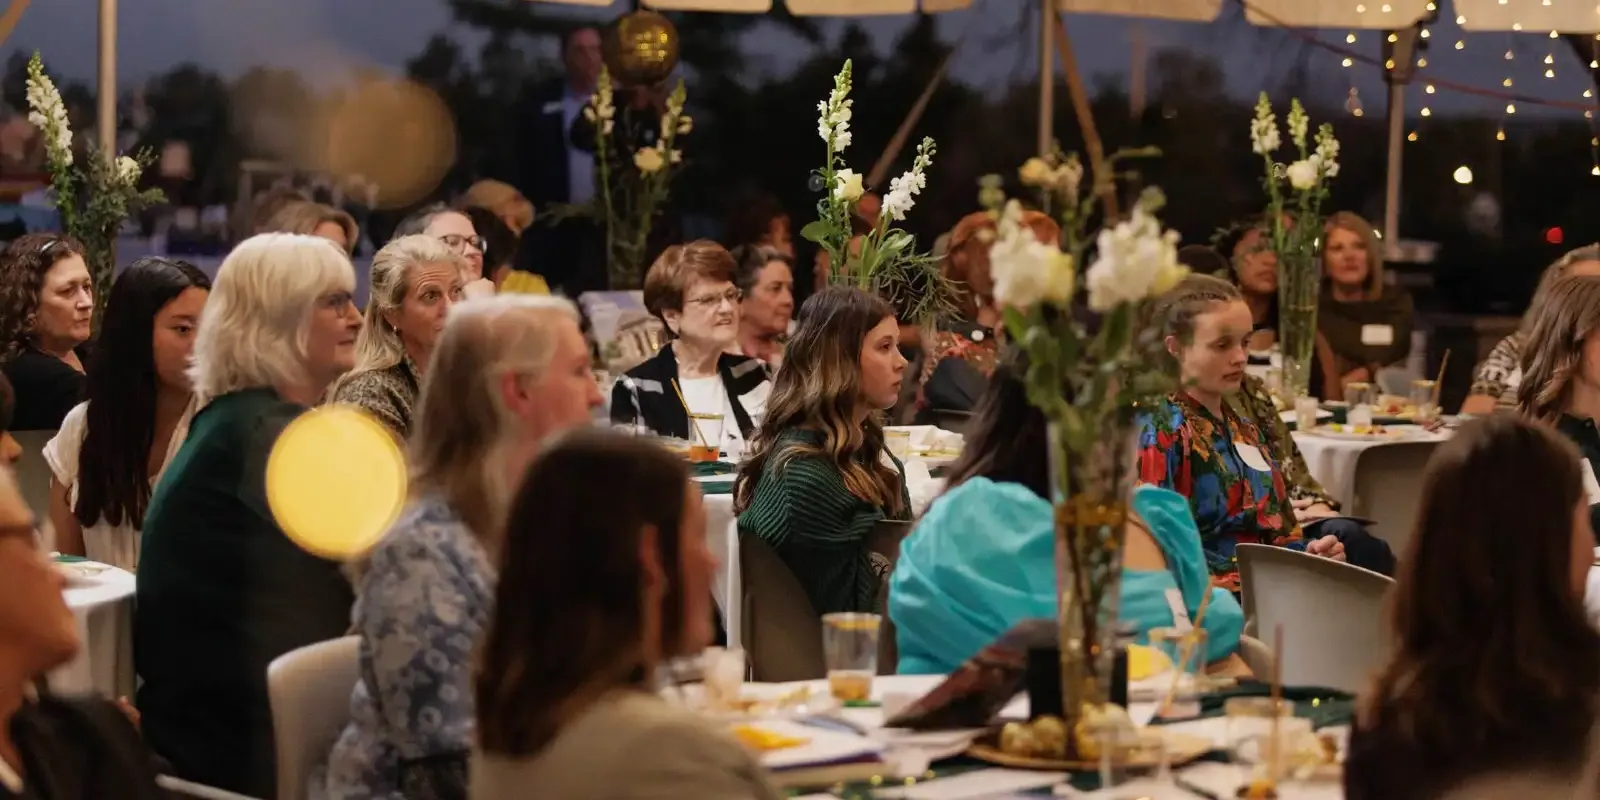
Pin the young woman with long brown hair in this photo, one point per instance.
(818, 476)
(1561, 371)
(596, 589)
(1495, 382)
(1492, 684)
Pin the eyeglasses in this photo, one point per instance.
(337, 301)
(460, 243)
(731, 297)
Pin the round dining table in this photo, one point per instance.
(101, 599)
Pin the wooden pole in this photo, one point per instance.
(898, 141)
(1047, 77)
(1085, 114)
(108, 78)
(8, 20)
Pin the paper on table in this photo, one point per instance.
(975, 784)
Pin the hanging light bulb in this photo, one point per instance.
(1549, 58)
(1347, 62)
(1425, 34)
(1553, 34)
(1516, 26)
(1426, 112)
(1594, 65)
(1350, 39)
(1500, 135)
(1393, 38)
(1429, 89)
(1361, 9)
(1506, 83)
(1596, 170)
(1432, 7)
(1588, 93)
(1549, 73)
(1510, 56)
(1385, 8)
(1460, 44)
(1411, 137)
(1352, 102)
(1389, 64)
(1461, 19)
(1422, 62)
(1511, 108)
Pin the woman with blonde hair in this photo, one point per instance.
(1494, 384)
(1366, 322)
(415, 281)
(1561, 370)
(316, 219)
(819, 475)
(506, 373)
(222, 591)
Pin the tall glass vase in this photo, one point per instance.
(1091, 491)
(1299, 281)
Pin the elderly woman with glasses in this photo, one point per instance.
(690, 289)
(453, 227)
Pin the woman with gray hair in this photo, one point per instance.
(222, 591)
(1495, 382)
(415, 281)
(507, 372)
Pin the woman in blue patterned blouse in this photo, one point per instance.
(507, 372)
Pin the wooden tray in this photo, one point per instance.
(1182, 748)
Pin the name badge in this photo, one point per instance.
(1252, 457)
(1180, 613)
(1591, 487)
(1377, 335)
(553, 107)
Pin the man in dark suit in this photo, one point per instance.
(551, 171)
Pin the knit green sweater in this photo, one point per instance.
(803, 510)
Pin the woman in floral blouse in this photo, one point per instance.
(1195, 444)
(1494, 383)
(506, 373)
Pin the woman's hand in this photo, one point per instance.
(1306, 510)
(1327, 547)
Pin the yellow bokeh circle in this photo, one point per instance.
(336, 480)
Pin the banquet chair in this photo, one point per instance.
(782, 633)
(33, 472)
(1256, 655)
(1388, 489)
(1334, 632)
(309, 690)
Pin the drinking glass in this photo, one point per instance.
(1249, 717)
(1305, 413)
(850, 651)
(1360, 396)
(705, 437)
(1180, 690)
(1422, 396)
(898, 441)
(722, 675)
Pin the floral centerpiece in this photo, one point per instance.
(885, 259)
(1088, 383)
(94, 196)
(1295, 192)
(630, 199)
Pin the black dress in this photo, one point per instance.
(46, 389)
(80, 749)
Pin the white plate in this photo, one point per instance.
(1391, 433)
(824, 746)
(1288, 416)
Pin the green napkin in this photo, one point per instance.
(708, 469)
(61, 558)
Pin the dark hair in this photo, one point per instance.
(818, 388)
(571, 582)
(751, 218)
(1008, 438)
(499, 240)
(417, 221)
(22, 269)
(1228, 240)
(8, 403)
(121, 387)
(1494, 662)
(1204, 260)
(751, 259)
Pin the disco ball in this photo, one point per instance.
(641, 48)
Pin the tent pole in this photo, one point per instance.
(1391, 194)
(107, 118)
(1047, 76)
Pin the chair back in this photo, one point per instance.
(33, 472)
(782, 633)
(309, 690)
(1388, 489)
(1334, 632)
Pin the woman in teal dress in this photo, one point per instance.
(818, 476)
(983, 557)
(1195, 444)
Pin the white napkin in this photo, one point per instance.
(921, 485)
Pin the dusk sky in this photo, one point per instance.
(323, 38)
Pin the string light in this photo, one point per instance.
(1348, 62)
(1460, 45)
(1500, 135)
(1422, 63)
(1429, 89)
(1426, 112)
(1411, 137)
(1516, 26)
(1511, 108)
(1350, 39)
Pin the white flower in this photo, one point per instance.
(1026, 271)
(1034, 172)
(1264, 128)
(833, 114)
(1327, 153)
(685, 124)
(649, 160)
(904, 189)
(128, 170)
(847, 185)
(48, 113)
(1135, 260)
(1303, 174)
(1297, 124)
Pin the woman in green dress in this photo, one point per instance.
(818, 476)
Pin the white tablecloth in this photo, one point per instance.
(103, 606)
(1333, 461)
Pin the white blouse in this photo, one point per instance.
(115, 545)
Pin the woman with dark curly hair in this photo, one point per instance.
(46, 308)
